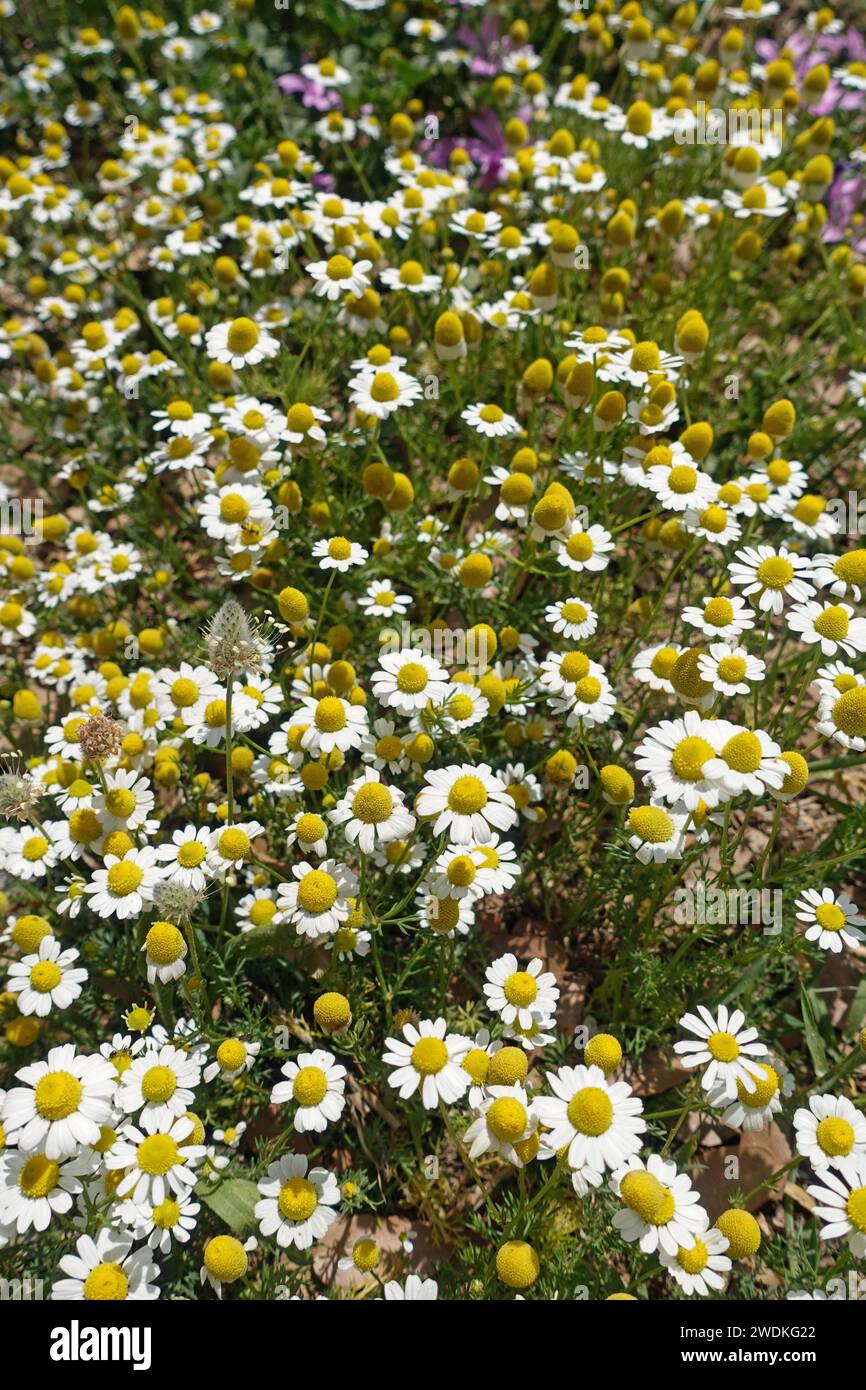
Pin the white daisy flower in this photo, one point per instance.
(506, 1123)
(125, 886)
(156, 1158)
(466, 801)
(318, 902)
(830, 1132)
(520, 995)
(35, 1188)
(372, 813)
(62, 1104)
(773, 576)
(599, 1121)
(240, 343)
(429, 1060)
(730, 1052)
(185, 858)
(297, 1205)
(832, 919)
(657, 834)
(832, 625)
(841, 1204)
(702, 1270)
(107, 1269)
(161, 1084)
(662, 1210)
(316, 1083)
(339, 554)
(490, 420)
(46, 980)
(409, 680)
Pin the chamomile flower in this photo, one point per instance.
(372, 813)
(730, 670)
(160, 1084)
(315, 1083)
(34, 1189)
(107, 1269)
(599, 1121)
(831, 919)
(156, 1158)
(657, 834)
(317, 903)
(240, 343)
(490, 420)
(466, 801)
(125, 886)
(753, 1110)
(427, 1058)
(829, 1132)
(505, 1126)
(520, 995)
(831, 625)
(409, 680)
(704, 1268)
(730, 1052)
(63, 1102)
(339, 554)
(772, 577)
(46, 980)
(662, 1210)
(841, 1203)
(297, 1203)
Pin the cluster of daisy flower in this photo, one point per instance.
(430, 546)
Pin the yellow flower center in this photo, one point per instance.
(317, 892)
(106, 1283)
(372, 803)
(590, 1111)
(310, 1086)
(467, 795)
(830, 917)
(766, 1086)
(732, 669)
(242, 335)
(330, 715)
(231, 1054)
(694, 1260)
(158, 1154)
(651, 824)
(298, 1199)
(190, 855)
(835, 1136)
(856, 1208)
(775, 572)
(38, 1177)
(743, 752)
(429, 1056)
(506, 1119)
(57, 1095)
(689, 756)
(833, 623)
(123, 879)
(723, 1047)
(158, 1084)
(45, 976)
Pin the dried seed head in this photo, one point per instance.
(175, 902)
(100, 738)
(19, 792)
(236, 642)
